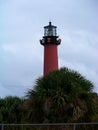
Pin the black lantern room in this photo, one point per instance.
(50, 30)
(50, 35)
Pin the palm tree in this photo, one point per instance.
(11, 110)
(63, 95)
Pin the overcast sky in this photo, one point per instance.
(21, 27)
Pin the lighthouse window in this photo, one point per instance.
(50, 31)
(54, 31)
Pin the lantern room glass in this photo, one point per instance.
(50, 31)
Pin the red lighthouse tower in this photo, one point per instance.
(50, 42)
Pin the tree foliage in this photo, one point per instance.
(11, 110)
(60, 97)
(64, 96)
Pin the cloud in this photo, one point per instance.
(80, 53)
(18, 67)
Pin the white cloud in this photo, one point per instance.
(80, 53)
(4, 91)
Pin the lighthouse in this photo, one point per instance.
(50, 41)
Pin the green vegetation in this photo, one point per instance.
(62, 96)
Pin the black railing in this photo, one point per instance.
(54, 126)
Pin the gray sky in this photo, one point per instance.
(21, 27)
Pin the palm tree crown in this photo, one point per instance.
(64, 95)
